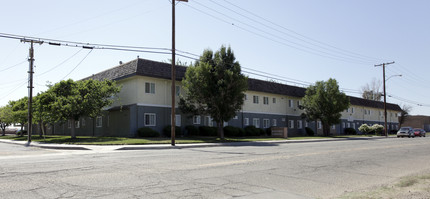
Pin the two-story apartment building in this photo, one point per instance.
(145, 101)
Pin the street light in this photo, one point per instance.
(393, 76)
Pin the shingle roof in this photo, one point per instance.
(143, 67)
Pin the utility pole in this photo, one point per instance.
(385, 96)
(30, 88)
(173, 74)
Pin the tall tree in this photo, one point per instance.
(20, 111)
(323, 101)
(214, 86)
(404, 114)
(41, 110)
(6, 118)
(73, 100)
(371, 91)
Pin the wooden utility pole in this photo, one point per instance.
(30, 88)
(385, 96)
(173, 73)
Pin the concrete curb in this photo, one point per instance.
(178, 146)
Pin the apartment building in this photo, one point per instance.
(145, 101)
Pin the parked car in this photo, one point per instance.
(420, 132)
(406, 131)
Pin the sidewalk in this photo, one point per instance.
(178, 146)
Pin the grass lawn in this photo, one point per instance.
(88, 140)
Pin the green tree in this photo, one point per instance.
(214, 86)
(323, 101)
(6, 118)
(73, 100)
(41, 110)
(20, 111)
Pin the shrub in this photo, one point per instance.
(252, 131)
(377, 128)
(147, 132)
(167, 131)
(208, 131)
(192, 130)
(349, 131)
(233, 131)
(309, 131)
(364, 128)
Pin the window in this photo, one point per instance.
(274, 122)
(291, 124)
(347, 110)
(299, 124)
(178, 90)
(99, 121)
(306, 124)
(353, 125)
(265, 100)
(208, 121)
(255, 99)
(150, 119)
(246, 121)
(298, 103)
(343, 124)
(196, 119)
(319, 125)
(348, 125)
(225, 124)
(290, 103)
(235, 117)
(83, 121)
(283, 119)
(77, 124)
(274, 100)
(352, 109)
(266, 123)
(246, 97)
(178, 120)
(69, 124)
(256, 122)
(333, 126)
(149, 87)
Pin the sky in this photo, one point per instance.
(290, 42)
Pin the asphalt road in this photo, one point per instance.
(292, 170)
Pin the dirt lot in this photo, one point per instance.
(409, 187)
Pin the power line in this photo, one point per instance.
(7, 68)
(295, 45)
(49, 70)
(301, 35)
(78, 64)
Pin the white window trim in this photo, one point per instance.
(255, 99)
(291, 124)
(246, 121)
(196, 119)
(149, 114)
(266, 100)
(319, 125)
(151, 91)
(256, 122)
(99, 118)
(266, 123)
(299, 124)
(274, 122)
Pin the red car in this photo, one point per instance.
(419, 132)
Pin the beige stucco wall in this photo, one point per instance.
(133, 91)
